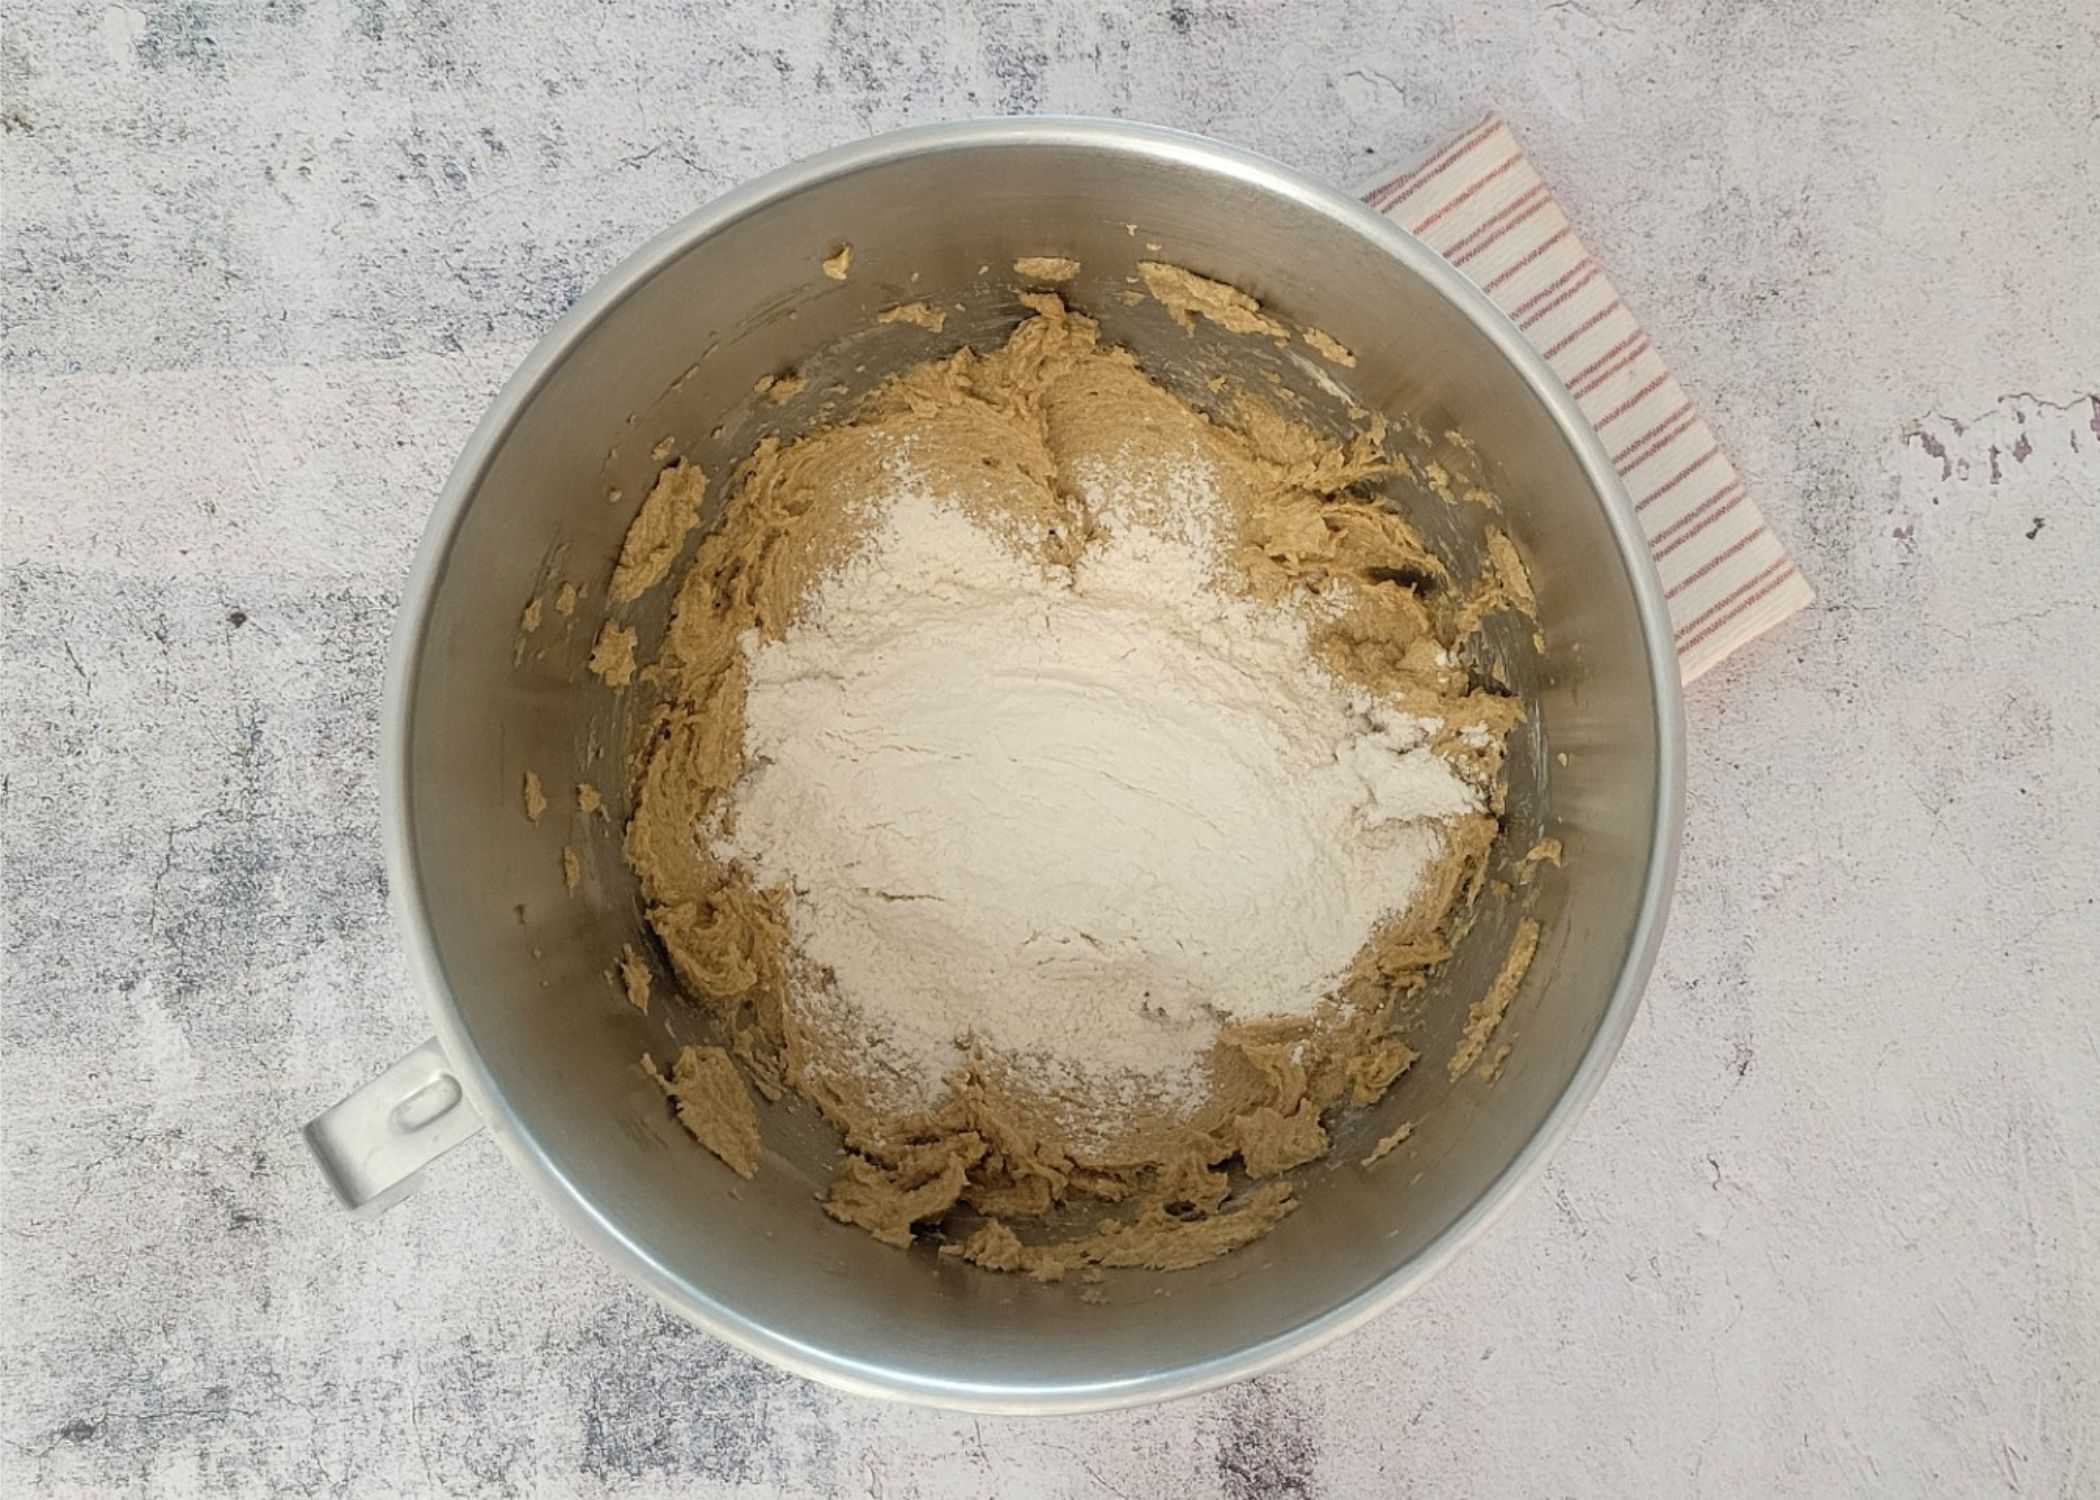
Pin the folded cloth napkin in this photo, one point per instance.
(1479, 203)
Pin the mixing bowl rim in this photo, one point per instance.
(572, 1201)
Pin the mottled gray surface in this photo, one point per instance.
(1831, 1227)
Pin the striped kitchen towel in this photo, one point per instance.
(1481, 205)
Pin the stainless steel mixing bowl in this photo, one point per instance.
(533, 1042)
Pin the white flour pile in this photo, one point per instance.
(1080, 818)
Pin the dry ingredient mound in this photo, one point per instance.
(1059, 789)
(1079, 816)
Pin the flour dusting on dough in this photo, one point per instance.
(1075, 871)
(1005, 436)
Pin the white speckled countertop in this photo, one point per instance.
(1833, 1225)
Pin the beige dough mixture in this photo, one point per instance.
(999, 433)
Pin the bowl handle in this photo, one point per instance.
(373, 1145)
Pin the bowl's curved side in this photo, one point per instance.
(577, 1202)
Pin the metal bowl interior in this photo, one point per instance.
(671, 345)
